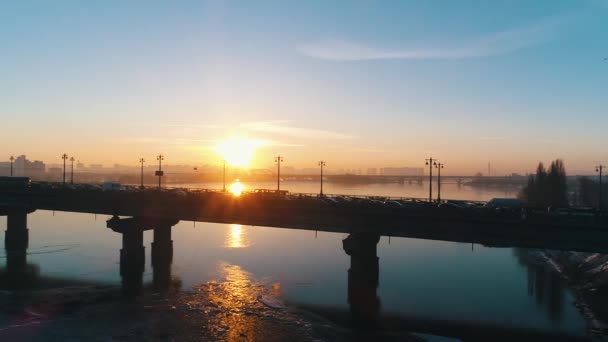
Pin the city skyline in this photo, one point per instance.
(357, 86)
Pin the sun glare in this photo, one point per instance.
(237, 188)
(238, 151)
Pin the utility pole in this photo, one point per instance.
(439, 166)
(64, 157)
(278, 160)
(72, 170)
(160, 172)
(321, 164)
(224, 178)
(599, 169)
(431, 162)
(141, 177)
(12, 159)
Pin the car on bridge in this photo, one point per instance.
(112, 186)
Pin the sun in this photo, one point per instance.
(237, 188)
(238, 151)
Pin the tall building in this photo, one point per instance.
(26, 168)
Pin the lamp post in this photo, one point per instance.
(160, 173)
(224, 177)
(278, 160)
(321, 164)
(599, 169)
(12, 159)
(64, 157)
(430, 162)
(141, 176)
(439, 166)
(72, 170)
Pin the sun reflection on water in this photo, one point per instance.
(236, 237)
(236, 301)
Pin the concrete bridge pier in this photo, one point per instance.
(363, 278)
(132, 254)
(16, 237)
(132, 261)
(162, 257)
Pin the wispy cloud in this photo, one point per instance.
(482, 46)
(282, 128)
(491, 138)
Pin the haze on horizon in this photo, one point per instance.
(357, 84)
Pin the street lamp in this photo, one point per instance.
(72, 170)
(141, 177)
(431, 162)
(64, 157)
(439, 166)
(321, 164)
(599, 169)
(160, 172)
(278, 160)
(12, 159)
(224, 177)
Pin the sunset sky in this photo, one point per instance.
(355, 83)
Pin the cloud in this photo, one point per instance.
(483, 46)
(280, 128)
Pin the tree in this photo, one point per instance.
(546, 189)
(556, 187)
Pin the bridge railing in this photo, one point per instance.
(268, 192)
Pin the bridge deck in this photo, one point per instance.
(413, 219)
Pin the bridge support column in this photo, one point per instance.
(132, 261)
(17, 235)
(363, 278)
(132, 254)
(162, 257)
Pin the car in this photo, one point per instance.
(112, 186)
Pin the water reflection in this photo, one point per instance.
(544, 285)
(18, 273)
(363, 278)
(237, 237)
(238, 304)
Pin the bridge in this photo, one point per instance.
(400, 217)
(364, 219)
(135, 210)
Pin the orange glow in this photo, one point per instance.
(237, 188)
(238, 151)
(237, 237)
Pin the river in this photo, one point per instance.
(418, 280)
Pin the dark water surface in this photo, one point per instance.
(418, 279)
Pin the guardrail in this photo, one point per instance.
(257, 192)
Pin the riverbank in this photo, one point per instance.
(215, 311)
(211, 312)
(587, 275)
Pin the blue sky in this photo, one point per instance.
(368, 83)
